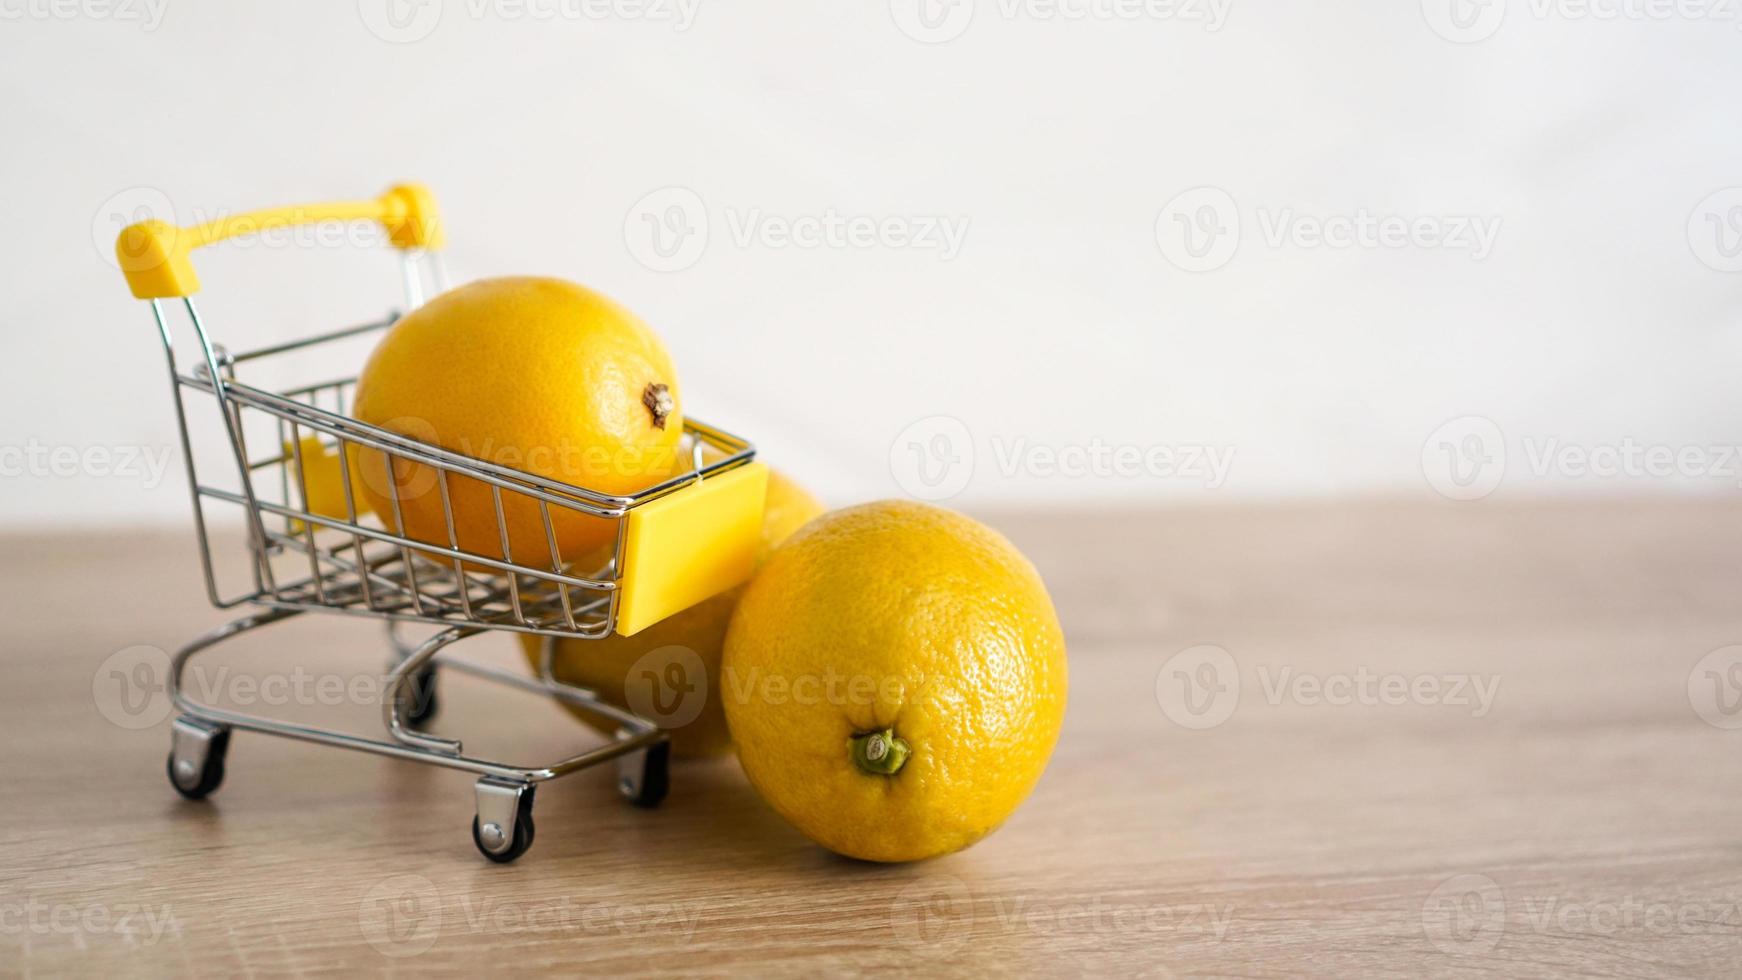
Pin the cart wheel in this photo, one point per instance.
(522, 834)
(644, 777)
(424, 701)
(196, 762)
(522, 840)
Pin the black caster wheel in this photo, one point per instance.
(198, 781)
(645, 777)
(522, 837)
(423, 699)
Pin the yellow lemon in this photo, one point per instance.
(670, 671)
(539, 375)
(895, 680)
(315, 469)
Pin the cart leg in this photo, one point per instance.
(423, 701)
(196, 756)
(644, 776)
(503, 827)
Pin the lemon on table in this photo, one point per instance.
(895, 680)
(535, 374)
(637, 672)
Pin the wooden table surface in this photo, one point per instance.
(1388, 737)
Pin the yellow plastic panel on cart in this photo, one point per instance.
(690, 545)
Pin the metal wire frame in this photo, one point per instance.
(634, 733)
(358, 567)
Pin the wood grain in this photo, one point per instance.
(1584, 822)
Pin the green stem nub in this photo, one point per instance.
(879, 753)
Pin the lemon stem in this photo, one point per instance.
(879, 753)
(657, 398)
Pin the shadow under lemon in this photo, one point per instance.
(670, 671)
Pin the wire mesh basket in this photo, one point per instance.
(301, 499)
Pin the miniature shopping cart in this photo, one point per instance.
(311, 545)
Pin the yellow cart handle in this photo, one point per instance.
(155, 256)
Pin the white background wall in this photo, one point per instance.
(1606, 311)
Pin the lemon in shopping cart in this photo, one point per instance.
(894, 679)
(650, 672)
(536, 375)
